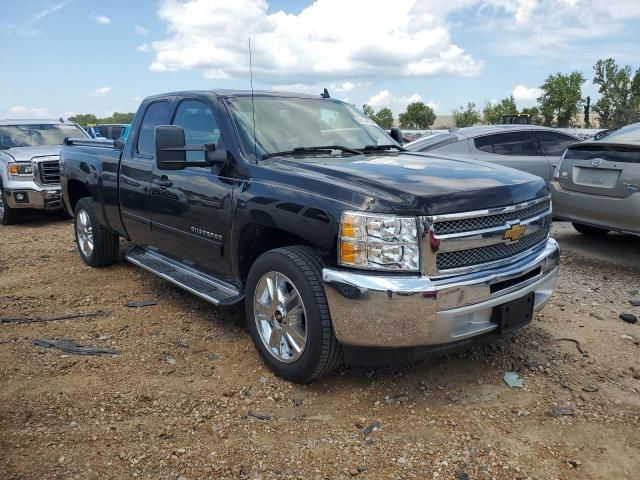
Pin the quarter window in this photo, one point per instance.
(554, 144)
(155, 115)
(510, 143)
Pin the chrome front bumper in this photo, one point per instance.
(46, 198)
(377, 310)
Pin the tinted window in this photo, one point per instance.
(431, 143)
(510, 143)
(553, 143)
(155, 115)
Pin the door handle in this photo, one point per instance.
(164, 182)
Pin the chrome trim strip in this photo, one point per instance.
(487, 212)
(490, 236)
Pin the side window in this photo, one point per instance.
(510, 143)
(553, 143)
(155, 115)
(196, 118)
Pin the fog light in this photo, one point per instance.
(21, 197)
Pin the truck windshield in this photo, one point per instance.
(284, 124)
(37, 135)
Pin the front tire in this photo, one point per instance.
(97, 245)
(8, 215)
(589, 230)
(288, 315)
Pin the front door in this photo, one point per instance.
(192, 208)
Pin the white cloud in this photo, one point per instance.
(524, 94)
(101, 19)
(27, 28)
(380, 99)
(20, 111)
(100, 92)
(140, 30)
(393, 39)
(335, 88)
(143, 48)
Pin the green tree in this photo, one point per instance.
(417, 115)
(84, 119)
(383, 117)
(493, 113)
(466, 117)
(90, 118)
(561, 98)
(367, 110)
(619, 102)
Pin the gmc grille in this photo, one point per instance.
(49, 172)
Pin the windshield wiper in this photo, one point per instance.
(382, 148)
(319, 149)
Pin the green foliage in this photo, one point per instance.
(384, 118)
(561, 98)
(417, 116)
(367, 110)
(619, 103)
(90, 118)
(493, 113)
(84, 119)
(466, 117)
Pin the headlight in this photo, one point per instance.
(379, 242)
(20, 169)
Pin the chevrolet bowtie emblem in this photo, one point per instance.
(516, 232)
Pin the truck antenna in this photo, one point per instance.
(253, 108)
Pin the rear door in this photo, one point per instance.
(136, 172)
(601, 168)
(518, 150)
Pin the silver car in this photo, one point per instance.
(30, 166)
(530, 148)
(597, 183)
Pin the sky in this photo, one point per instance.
(62, 57)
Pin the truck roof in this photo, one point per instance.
(226, 93)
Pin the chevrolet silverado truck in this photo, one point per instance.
(29, 166)
(339, 242)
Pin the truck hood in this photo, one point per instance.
(410, 183)
(25, 154)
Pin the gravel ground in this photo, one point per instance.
(188, 397)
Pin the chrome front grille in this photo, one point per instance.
(490, 253)
(489, 221)
(471, 241)
(49, 172)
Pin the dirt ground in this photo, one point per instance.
(188, 397)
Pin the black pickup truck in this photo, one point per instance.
(338, 241)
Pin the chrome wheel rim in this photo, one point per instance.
(280, 317)
(84, 233)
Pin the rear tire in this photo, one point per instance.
(8, 215)
(285, 295)
(98, 246)
(589, 230)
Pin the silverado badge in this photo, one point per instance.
(516, 232)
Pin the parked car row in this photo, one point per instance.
(595, 183)
(340, 242)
